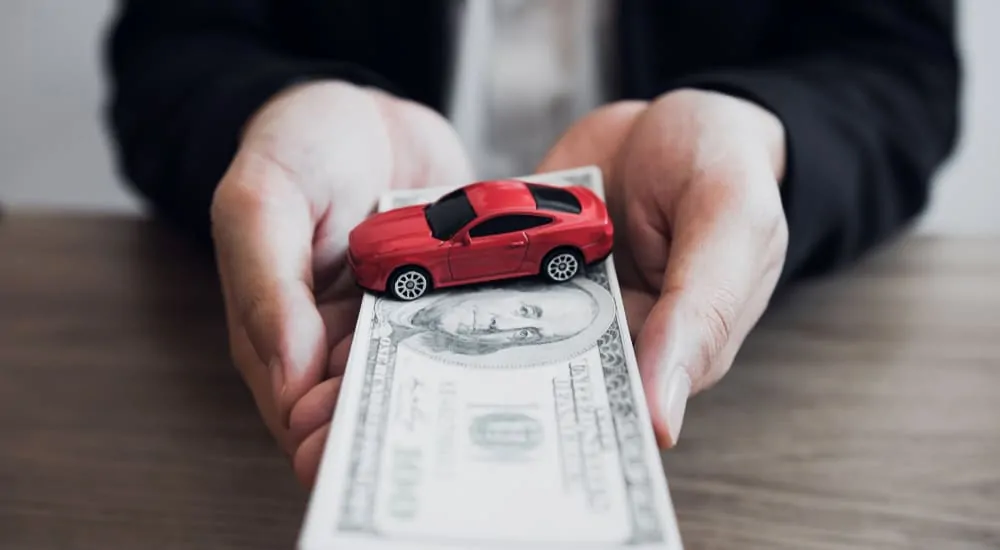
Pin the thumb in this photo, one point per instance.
(680, 349)
(263, 228)
(716, 284)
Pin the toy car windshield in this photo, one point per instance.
(449, 214)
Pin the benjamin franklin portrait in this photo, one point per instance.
(510, 324)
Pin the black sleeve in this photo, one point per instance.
(184, 77)
(868, 92)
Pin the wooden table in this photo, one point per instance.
(863, 413)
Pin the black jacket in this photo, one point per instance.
(868, 90)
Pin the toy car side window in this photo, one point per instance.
(528, 221)
(507, 224)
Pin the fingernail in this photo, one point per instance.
(277, 380)
(674, 392)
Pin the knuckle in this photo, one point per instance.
(719, 318)
(302, 463)
(770, 227)
(299, 427)
(220, 206)
(254, 185)
(778, 240)
(253, 308)
(230, 202)
(234, 195)
(766, 226)
(763, 201)
(772, 233)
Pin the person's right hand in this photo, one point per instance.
(311, 165)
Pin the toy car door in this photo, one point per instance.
(495, 247)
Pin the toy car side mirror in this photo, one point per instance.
(465, 239)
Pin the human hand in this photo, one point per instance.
(692, 184)
(311, 165)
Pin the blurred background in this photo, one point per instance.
(53, 152)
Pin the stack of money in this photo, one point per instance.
(534, 435)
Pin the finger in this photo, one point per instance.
(314, 409)
(318, 404)
(258, 380)
(263, 231)
(339, 356)
(638, 304)
(308, 456)
(341, 316)
(338, 286)
(725, 255)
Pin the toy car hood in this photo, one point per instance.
(386, 232)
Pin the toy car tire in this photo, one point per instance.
(562, 264)
(409, 283)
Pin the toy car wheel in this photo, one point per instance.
(409, 283)
(561, 265)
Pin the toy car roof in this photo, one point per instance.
(493, 195)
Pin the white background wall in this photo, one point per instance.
(52, 147)
(53, 152)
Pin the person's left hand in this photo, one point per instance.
(692, 183)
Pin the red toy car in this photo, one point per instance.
(484, 231)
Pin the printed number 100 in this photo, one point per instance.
(405, 479)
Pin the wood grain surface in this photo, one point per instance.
(864, 412)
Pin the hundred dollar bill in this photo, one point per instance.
(533, 434)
